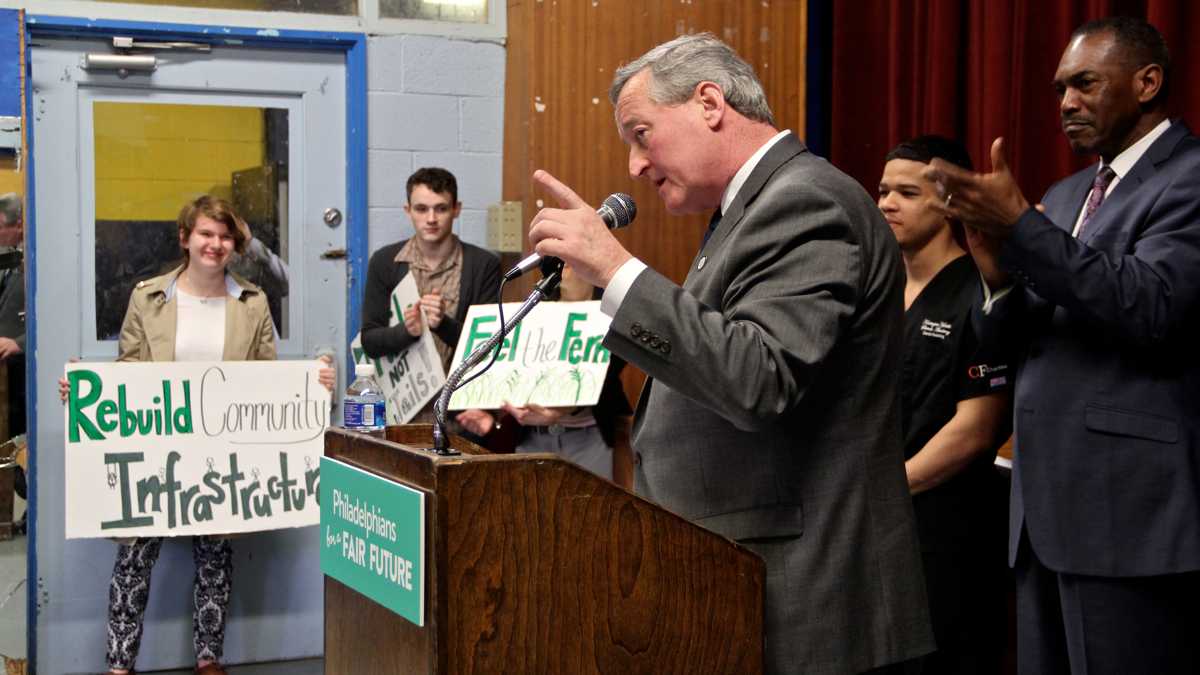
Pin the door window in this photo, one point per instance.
(150, 159)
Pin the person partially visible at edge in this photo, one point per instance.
(771, 412)
(451, 275)
(1098, 289)
(12, 322)
(197, 312)
(954, 395)
(584, 435)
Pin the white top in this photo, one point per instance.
(618, 286)
(199, 327)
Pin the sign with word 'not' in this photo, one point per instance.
(191, 448)
(414, 375)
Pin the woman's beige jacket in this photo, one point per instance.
(148, 332)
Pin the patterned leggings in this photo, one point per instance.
(129, 591)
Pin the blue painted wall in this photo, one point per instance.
(10, 63)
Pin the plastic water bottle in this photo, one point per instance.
(363, 407)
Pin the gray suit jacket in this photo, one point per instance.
(772, 409)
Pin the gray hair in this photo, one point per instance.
(676, 67)
(10, 207)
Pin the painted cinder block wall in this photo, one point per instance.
(433, 101)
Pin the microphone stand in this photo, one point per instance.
(552, 275)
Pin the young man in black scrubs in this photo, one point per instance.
(954, 400)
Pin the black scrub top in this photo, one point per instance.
(944, 363)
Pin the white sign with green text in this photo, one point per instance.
(553, 358)
(412, 377)
(188, 448)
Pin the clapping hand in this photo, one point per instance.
(435, 306)
(991, 202)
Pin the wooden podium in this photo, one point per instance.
(536, 566)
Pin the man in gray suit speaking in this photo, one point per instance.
(771, 411)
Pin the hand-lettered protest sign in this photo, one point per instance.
(185, 448)
(553, 358)
(412, 377)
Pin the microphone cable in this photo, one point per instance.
(495, 352)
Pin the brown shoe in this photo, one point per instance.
(211, 669)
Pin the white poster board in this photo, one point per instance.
(189, 447)
(553, 358)
(414, 376)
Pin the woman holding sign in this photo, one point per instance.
(197, 312)
(585, 436)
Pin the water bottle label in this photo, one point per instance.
(351, 414)
(359, 414)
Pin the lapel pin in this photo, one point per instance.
(700, 265)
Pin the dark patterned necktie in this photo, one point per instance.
(1096, 196)
(712, 226)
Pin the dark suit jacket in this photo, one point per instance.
(12, 325)
(12, 304)
(1106, 475)
(772, 408)
(480, 284)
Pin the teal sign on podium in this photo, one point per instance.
(373, 537)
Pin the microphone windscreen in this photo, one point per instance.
(618, 210)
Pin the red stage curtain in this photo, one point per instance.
(975, 70)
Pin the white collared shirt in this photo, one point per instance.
(618, 286)
(739, 178)
(1122, 164)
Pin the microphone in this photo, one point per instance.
(617, 211)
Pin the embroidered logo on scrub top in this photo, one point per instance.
(935, 329)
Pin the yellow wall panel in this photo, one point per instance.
(114, 119)
(10, 179)
(153, 157)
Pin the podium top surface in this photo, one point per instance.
(407, 456)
